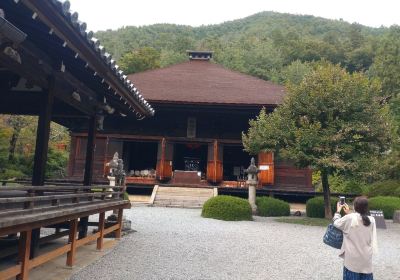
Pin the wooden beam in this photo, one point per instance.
(120, 216)
(35, 242)
(79, 45)
(24, 253)
(101, 231)
(42, 138)
(72, 239)
(159, 138)
(90, 148)
(66, 214)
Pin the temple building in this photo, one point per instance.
(195, 136)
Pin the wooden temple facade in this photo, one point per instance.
(195, 137)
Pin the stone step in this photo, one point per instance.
(181, 197)
(184, 190)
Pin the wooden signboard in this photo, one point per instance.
(379, 218)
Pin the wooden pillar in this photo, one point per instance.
(24, 253)
(101, 231)
(35, 243)
(42, 136)
(215, 163)
(90, 148)
(73, 227)
(120, 216)
(83, 227)
(164, 160)
(88, 176)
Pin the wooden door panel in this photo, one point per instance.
(215, 162)
(266, 165)
(164, 160)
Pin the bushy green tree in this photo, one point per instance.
(140, 60)
(330, 122)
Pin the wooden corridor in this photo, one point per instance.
(27, 209)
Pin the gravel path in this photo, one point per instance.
(179, 244)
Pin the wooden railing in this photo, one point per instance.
(25, 209)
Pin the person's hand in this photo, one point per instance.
(339, 207)
(346, 208)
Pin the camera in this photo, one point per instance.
(342, 200)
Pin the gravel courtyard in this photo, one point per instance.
(178, 244)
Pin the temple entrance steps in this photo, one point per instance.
(181, 197)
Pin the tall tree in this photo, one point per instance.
(17, 123)
(146, 58)
(330, 122)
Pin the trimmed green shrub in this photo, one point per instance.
(126, 196)
(388, 204)
(272, 207)
(315, 207)
(227, 208)
(384, 188)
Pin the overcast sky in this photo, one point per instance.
(112, 14)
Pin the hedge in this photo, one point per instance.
(227, 208)
(384, 188)
(272, 207)
(315, 207)
(388, 204)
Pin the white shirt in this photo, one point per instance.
(359, 242)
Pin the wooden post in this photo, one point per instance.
(88, 176)
(101, 231)
(24, 253)
(73, 228)
(42, 136)
(90, 148)
(83, 227)
(35, 243)
(118, 231)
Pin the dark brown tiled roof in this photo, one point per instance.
(197, 82)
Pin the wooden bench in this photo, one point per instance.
(26, 209)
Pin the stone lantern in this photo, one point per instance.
(113, 165)
(252, 181)
(117, 178)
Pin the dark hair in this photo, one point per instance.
(361, 207)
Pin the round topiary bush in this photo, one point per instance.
(315, 207)
(384, 188)
(272, 207)
(227, 208)
(388, 204)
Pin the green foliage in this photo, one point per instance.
(386, 64)
(227, 208)
(341, 184)
(261, 45)
(272, 207)
(56, 163)
(383, 188)
(140, 60)
(17, 143)
(295, 72)
(387, 204)
(126, 196)
(306, 221)
(315, 207)
(330, 122)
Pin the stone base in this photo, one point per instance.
(396, 217)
